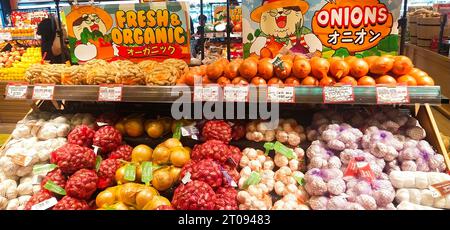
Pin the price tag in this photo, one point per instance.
(44, 205)
(190, 131)
(130, 172)
(187, 178)
(227, 176)
(96, 149)
(254, 178)
(43, 169)
(365, 172)
(268, 146)
(283, 150)
(110, 93)
(281, 94)
(147, 172)
(338, 94)
(177, 133)
(6, 36)
(351, 170)
(300, 180)
(207, 93)
(43, 92)
(392, 95)
(98, 161)
(235, 93)
(440, 189)
(53, 187)
(16, 91)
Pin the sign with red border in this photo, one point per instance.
(235, 93)
(392, 95)
(338, 94)
(110, 92)
(281, 94)
(16, 90)
(209, 92)
(43, 92)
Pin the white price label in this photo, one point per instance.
(46, 204)
(110, 93)
(235, 93)
(6, 36)
(392, 95)
(43, 92)
(16, 91)
(207, 93)
(187, 178)
(338, 94)
(281, 94)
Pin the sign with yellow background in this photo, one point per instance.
(156, 30)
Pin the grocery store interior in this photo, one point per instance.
(224, 105)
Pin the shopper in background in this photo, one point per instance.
(50, 41)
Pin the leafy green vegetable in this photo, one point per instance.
(341, 52)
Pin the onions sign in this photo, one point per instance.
(352, 24)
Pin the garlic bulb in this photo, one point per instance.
(23, 171)
(62, 130)
(25, 189)
(11, 193)
(60, 120)
(26, 179)
(23, 200)
(9, 183)
(48, 131)
(13, 204)
(3, 203)
(21, 131)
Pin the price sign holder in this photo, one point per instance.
(43, 92)
(281, 94)
(16, 90)
(392, 95)
(338, 94)
(234, 93)
(210, 93)
(110, 92)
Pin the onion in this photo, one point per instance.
(358, 68)
(319, 67)
(382, 65)
(301, 68)
(402, 65)
(339, 68)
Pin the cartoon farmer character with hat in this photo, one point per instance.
(87, 29)
(281, 23)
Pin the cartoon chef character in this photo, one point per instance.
(88, 25)
(282, 27)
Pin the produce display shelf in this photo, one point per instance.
(303, 94)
